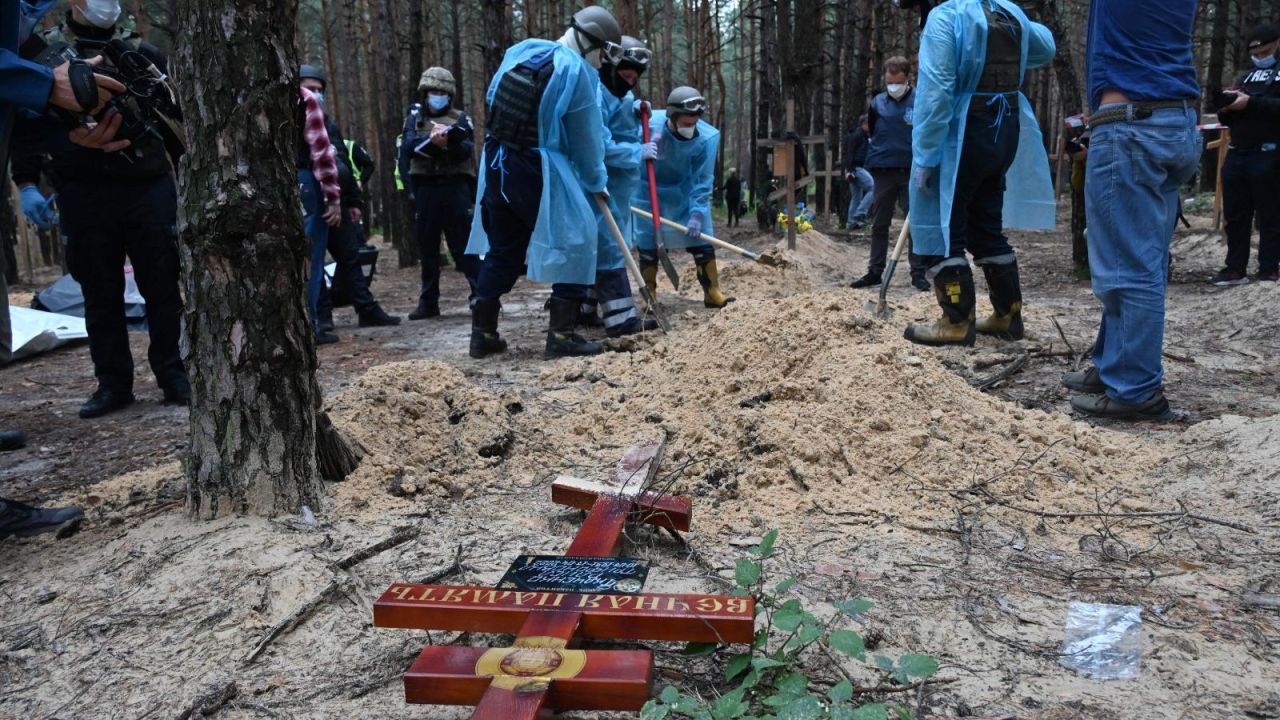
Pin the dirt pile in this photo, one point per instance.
(785, 404)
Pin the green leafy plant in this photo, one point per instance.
(768, 681)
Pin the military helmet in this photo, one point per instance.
(685, 100)
(313, 72)
(437, 78)
(598, 25)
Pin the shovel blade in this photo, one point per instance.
(670, 269)
(879, 309)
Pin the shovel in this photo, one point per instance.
(650, 302)
(763, 258)
(881, 309)
(663, 256)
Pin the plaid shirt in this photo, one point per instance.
(323, 165)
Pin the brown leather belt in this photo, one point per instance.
(1134, 111)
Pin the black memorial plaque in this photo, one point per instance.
(559, 573)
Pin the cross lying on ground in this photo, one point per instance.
(542, 672)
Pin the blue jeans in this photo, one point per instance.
(861, 193)
(318, 231)
(1131, 198)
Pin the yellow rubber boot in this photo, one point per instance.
(709, 278)
(1005, 291)
(953, 287)
(649, 271)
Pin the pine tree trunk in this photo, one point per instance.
(254, 394)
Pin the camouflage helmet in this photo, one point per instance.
(438, 79)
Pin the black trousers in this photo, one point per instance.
(977, 210)
(1251, 189)
(104, 222)
(344, 244)
(441, 207)
(509, 211)
(893, 187)
(734, 205)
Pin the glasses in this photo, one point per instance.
(696, 105)
(610, 52)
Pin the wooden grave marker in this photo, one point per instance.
(543, 672)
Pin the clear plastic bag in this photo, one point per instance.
(1103, 641)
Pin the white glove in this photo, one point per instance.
(649, 151)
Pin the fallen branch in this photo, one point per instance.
(297, 617)
(1155, 514)
(453, 569)
(398, 536)
(880, 689)
(1012, 369)
(1262, 600)
(210, 702)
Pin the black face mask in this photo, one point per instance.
(613, 82)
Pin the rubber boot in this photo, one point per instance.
(562, 340)
(953, 287)
(589, 314)
(709, 278)
(1005, 292)
(484, 329)
(649, 272)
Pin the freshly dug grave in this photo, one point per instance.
(786, 405)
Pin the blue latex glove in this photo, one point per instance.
(37, 208)
(694, 226)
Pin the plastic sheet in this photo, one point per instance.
(1103, 641)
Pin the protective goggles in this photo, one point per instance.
(610, 52)
(694, 106)
(637, 56)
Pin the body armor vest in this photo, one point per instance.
(427, 166)
(513, 115)
(1002, 72)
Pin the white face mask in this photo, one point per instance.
(102, 13)
(897, 90)
(687, 132)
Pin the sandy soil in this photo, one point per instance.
(970, 516)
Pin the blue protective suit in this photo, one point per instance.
(953, 49)
(622, 160)
(571, 144)
(686, 171)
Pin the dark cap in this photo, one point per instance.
(1263, 35)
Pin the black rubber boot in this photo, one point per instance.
(425, 310)
(484, 329)
(377, 317)
(953, 286)
(1005, 291)
(562, 340)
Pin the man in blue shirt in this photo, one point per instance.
(890, 118)
(1144, 147)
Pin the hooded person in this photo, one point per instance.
(436, 156)
(625, 155)
(544, 151)
(685, 169)
(979, 163)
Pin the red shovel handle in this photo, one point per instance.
(653, 177)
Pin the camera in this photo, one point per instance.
(147, 107)
(1224, 98)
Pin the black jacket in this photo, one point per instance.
(855, 149)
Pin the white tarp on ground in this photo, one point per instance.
(36, 331)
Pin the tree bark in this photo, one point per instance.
(254, 393)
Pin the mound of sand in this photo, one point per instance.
(785, 404)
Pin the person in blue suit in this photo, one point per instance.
(979, 163)
(625, 156)
(544, 152)
(687, 147)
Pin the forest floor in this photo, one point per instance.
(932, 482)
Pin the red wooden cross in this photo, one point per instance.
(542, 672)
